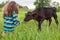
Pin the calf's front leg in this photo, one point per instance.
(39, 24)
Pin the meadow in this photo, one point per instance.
(28, 31)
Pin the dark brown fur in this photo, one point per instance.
(42, 14)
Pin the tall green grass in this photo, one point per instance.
(28, 31)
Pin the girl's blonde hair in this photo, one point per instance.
(9, 8)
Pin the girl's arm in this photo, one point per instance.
(15, 21)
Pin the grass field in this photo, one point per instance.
(28, 31)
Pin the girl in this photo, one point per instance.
(10, 12)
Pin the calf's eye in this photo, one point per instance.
(34, 15)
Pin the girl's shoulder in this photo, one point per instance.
(14, 14)
(7, 17)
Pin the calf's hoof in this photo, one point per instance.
(39, 29)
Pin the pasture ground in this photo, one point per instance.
(28, 31)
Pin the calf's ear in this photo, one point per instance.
(34, 15)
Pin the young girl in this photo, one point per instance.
(10, 13)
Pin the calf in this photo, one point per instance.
(42, 14)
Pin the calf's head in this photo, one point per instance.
(29, 16)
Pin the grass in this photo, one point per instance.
(28, 31)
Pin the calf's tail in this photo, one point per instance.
(55, 16)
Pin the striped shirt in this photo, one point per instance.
(11, 21)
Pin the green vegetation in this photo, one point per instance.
(58, 9)
(28, 31)
(42, 3)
